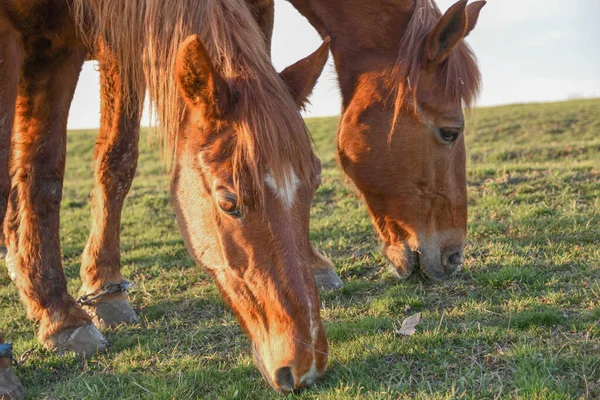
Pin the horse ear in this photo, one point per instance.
(199, 83)
(473, 10)
(448, 32)
(302, 76)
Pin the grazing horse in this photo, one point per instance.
(243, 175)
(405, 74)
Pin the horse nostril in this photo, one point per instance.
(456, 259)
(284, 379)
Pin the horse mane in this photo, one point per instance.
(459, 75)
(146, 35)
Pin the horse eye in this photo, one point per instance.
(448, 135)
(229, 205)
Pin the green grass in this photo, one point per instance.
(520, 320)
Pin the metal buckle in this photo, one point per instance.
(122, 286)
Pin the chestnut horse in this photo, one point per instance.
(405, 74)
(244, 172)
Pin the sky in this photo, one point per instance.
(528, 51)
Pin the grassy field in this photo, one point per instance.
(520, 319)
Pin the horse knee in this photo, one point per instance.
(119, 164)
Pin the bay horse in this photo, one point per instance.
(243, 176)
(405, 74)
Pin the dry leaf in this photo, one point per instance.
(409, 325)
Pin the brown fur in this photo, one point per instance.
(255, 147)
(404, 74)
(261, 257)
(49, 75)
(12, 56)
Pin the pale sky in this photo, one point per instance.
(528, 51)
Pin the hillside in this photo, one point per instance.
(520, 319)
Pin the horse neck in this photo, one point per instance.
(365, 35)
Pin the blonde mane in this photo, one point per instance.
(146, 34)
(459, 75)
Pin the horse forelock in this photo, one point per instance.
(459, 76)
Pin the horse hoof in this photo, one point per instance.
(110, 314)
(10, 385)
(328, 279)
(84, 341)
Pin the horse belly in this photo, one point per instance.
(46, 26)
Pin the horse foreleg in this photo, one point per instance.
(38, 152)
(116, 158)
(11, 60)
(12, 55)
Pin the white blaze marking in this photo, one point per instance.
(286, 193)
(286, 190)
